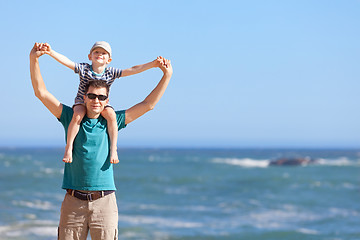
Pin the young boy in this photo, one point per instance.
(100, 56)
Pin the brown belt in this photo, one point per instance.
(92, 196)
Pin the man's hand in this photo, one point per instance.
(45, 47)
(156, 63)
(54, 106)
(159, 61)
(165, 66)
(36, 51)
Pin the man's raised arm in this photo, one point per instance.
(54, 106)
(153, 98)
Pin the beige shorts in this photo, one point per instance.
(78, 217)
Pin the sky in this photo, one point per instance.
(247, 74)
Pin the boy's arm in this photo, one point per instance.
(140, 68)
(58, 57)
(54, 106)
(153, 98)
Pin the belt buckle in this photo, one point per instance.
(89, 197)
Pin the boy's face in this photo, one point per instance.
(99, 56)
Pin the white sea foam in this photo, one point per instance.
(37, 231)
(155, 158)
(343, 161)
(36, 204)
(52, 171)
(243, 162)
(26, 228)
(280, 218)
(257, 163)
(165, 222)
(152, 207)
(143, 235)
(341, 212)
(307, 231)
(191, 208)
(176, 191)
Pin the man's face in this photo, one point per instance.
(95, 106)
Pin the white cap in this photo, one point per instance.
(102, 44)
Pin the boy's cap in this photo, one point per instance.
(102, 44)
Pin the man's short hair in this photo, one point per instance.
(97, 84)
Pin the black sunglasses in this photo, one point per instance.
(92, 96)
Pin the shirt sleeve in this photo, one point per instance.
(115, 72)
(120, 118)
(66, 116)
(79, 68)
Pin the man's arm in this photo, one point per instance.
(141, 68)
(54, 106)
(57, 56)
(153, 98)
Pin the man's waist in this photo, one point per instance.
(88, 195)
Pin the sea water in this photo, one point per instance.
(183, 194)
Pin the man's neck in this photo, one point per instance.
(92, 115)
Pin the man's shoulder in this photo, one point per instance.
(66, 114)
(120, 117)
(120, 112)
(67, 109)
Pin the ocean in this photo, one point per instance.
(188, 194)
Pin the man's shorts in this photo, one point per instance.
(78, 217)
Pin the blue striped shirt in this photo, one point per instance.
(87, 74)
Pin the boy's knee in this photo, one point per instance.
(109, 114)
(78, 117)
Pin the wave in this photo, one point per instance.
(308, 231)
(243, 162)
(43, 228)
(256, 163)
(343, 161)
(165, 222)
(37, 204)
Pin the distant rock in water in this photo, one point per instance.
(296, 161)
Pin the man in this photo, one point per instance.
(90, 202)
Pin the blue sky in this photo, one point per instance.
(246, 73)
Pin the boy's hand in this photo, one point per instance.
(157, 62)
(161, 61)
(165, 66)
(36, 50)
(46, 48)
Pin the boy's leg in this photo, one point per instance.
(109, 114)
(74, 126)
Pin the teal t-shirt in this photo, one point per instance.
(90, 168)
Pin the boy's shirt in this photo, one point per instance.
(87, 74)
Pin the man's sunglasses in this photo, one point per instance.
(92, 96)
